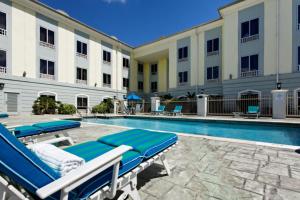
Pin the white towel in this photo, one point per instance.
(59, 160)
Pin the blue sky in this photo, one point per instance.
(140, 21)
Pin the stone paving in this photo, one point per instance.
(206, 169)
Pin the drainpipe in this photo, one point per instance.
(278, 39)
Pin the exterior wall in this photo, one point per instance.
(296, 33)
(173, 65)
(123, 71)
(184, 65)
(134, 76)
(5, 41)
(146, 77)
(255, 46)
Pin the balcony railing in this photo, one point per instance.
(212, 53)
(83, 82)
(3, 70)
(46, 44)
(106, 85)
(250, 38)
(47, 76)
(3, 31)
(250, 73)
(81, 55)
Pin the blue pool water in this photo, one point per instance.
(280, 134)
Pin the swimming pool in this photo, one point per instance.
(270, 133)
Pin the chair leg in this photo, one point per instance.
(165, 164)
(130, 190)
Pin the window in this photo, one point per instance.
(48, 96)
(183, 53)
(153, 86)
(212, 47)
(140, 85)
(126, 62)
(140, 68)
(125, 82)
(82, 102)
(249, 66)
(154, 69)
(46, 69)
(298, 59)
(183, 77)
(250, 30)
(106, 79)
(46, 37)
(212, 73)
(2, 23)
(81, 49)
(106, 56)
(81, 76)
(298, 17)
(2, 62)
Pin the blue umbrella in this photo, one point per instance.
(133, 97)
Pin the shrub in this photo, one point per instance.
(66, 109)
(44, 105)
(105, 106)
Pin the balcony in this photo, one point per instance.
(212, 53)
(3, 70)
(3, 32)
(250, 38)
(81, 55)
(82, 82)
(46, 44)
(47, 76)
(252, 73)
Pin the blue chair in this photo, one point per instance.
(105, 171)
(177, 110)
(253, 111)
(160, 110)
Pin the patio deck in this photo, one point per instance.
(207, 169)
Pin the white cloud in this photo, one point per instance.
(115, 1)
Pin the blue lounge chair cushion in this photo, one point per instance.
(3, 115)
(147, 143)
(57, 125)
(177, 109)
(91, 150)
(21, 165)
(253, 109)
(25, 131)
(161, 108)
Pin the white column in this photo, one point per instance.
(202, 105)
(155, 103)
(279, 103)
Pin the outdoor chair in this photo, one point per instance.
(160, 110)
(253, 111)
(111, 165)
(177, 111)
(31, 134)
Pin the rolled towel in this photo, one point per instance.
(59, 160)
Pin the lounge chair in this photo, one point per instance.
(31, 134)
(177, 111)
(108, 168)
(4, 115)
(160, 110)
(253, 111)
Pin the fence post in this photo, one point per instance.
(155, 103)
(279, 99)
(202, 105)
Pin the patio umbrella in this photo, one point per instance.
(133, 97)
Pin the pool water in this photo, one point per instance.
(279, 134)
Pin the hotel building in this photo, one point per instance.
(251, 47)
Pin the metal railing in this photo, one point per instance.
(250, 73)
(81, 55)
(212, 53)
(47, 76)
(46, 44)
(250, 38)
(229, 106)
(83, 82)
(3, 31)
(293, 106)
(3, 70)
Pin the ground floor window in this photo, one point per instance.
(2, 61)
(48, 96)
(82, 102)
(140, 85)
(153, 86)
